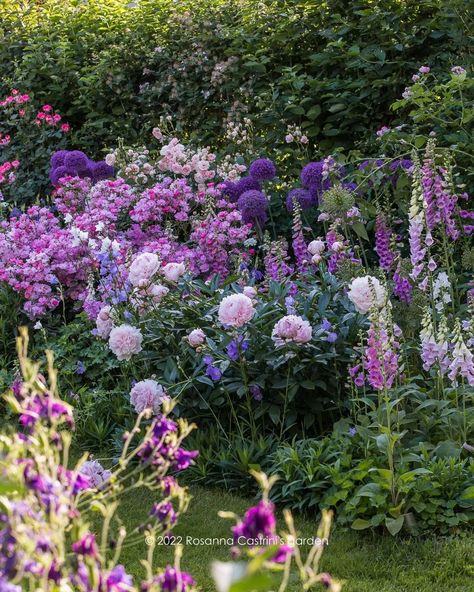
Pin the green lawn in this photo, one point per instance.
(367, 563)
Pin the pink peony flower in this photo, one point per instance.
(143, 268)
(291, 329)
(362, 291)
(147, 394)
(173, 271)
(250, 292)
(104, 322)
(95, 472)
(196, 337)
(316, 247)
(125, 341)
(236, 310)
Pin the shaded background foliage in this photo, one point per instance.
(113, 67)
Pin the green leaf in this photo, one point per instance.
(360, 230)
(360, 524)
(394, 525)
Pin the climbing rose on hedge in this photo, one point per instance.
(125, 341)
(362, 291)
(236, 310)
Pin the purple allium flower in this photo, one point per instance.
(57, 159)
(312, 174)
(229, 189)
(118, 580)
(246, 184)
(256, 392)
(101, 171)
(76, 160)
(304, 197)
(172, 581)
(262, 169)
(253, 206)
(59, 173)
(86, 545)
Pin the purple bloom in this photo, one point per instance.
(352, 431)
(183, 458)
(208, 360)
(214, 373)
(59, 173)
(259, 522)
(246, 184)
(101, 171)
(57, 159)
(312, 174)
(86, 545)
(233, 347)
(172, 581)
(326, 325)
(304, 197)
(118, 580)
(331, 337)
(253, 206)
(80, 368)
(262, 169)
(76, 160)
(256, 392)
(229, 189)
(164, 512)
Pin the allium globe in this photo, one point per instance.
(148, 394)
(229, 189)
(246, 184)
(293, 329)
(58, 173)
(57, 159)
(104, 322)
(304, 197)
(253, 206)
(76, 160)
(143, 268)
(101, 171)
(125, 341)
(236, 310)
(366, 292)
(262, 169)
(173, 271)
(196, 337)
(312, 174)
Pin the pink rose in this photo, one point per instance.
(143, 268)
(291, 329)
(365, 292)
(173, 271)
(104, 322)
(147, 394)
(196, 337)
(236, 310)
(125, 341)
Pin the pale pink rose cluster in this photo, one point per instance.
(143, 268)
(292, 329)
(366, 292)
(196, 338)
(148, 394)
(236, 310)
(95, 472)
(104, 322)
(125, 341)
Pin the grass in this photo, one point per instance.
(367, 562)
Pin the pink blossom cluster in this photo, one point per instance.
(168, 199)
(14, 98)
(178, 159)
(39, 259)
(7, 171)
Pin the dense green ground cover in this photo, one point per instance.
(367, 563)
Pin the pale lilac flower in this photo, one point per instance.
(95, 472)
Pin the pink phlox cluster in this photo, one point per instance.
(168, 199)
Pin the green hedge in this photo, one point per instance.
(113, 67)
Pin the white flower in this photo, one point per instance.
(173, 271)
(143, 268)
(362, 291)
(316, 247)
